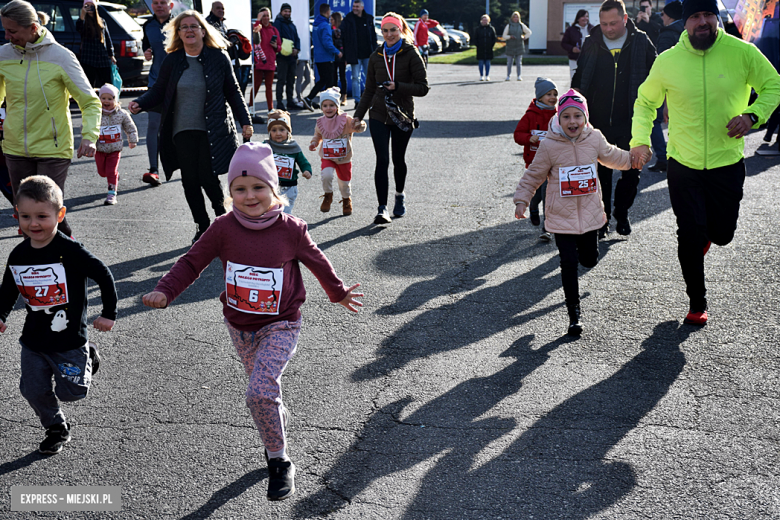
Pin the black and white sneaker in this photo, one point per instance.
(281, 479)
(94, 355)
(56, 438)
(307, 104)
(382, 216)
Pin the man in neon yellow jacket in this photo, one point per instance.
(37, 77)
(706, 79)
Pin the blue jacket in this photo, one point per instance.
(322, 39)
(287, 30)
(155, 39)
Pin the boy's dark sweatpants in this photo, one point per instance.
(706, 204)
(72, 373)
(576, 249)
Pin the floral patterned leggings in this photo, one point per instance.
(265, 354)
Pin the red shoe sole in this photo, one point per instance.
(696, 318)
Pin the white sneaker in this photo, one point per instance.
(507, 78)
(519, 78)
(482, 78)
(487, 78)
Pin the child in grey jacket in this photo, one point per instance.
(109, 145)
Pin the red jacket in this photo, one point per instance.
(534, 119)
(421, 31)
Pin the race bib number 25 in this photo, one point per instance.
(576, 181)
(254, 290)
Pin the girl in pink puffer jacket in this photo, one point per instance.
(574, 210)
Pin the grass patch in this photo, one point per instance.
(469, 57)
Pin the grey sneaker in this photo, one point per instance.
(382, 216)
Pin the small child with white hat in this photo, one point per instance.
(109, 146)
(334, 130)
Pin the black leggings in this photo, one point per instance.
(194, 154)
(382, 135)
(327, 72)
(341, 75)
(576, 249)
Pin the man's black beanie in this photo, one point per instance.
(673, 10)
(694, 6)
(285, 6)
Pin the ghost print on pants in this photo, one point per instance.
(265, 354)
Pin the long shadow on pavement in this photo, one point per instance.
(22, 462)
(389, 444)
(227, 493)
(559, 467)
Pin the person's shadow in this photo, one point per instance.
(390, 442)
(559, 467)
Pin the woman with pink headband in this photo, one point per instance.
(395, 74)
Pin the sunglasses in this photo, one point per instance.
(576, 99)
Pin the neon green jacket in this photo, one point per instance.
(36, 82)
(704, 90)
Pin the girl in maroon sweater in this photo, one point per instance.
(260, 247)
(531, 129)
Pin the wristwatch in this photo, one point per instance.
(753, 118)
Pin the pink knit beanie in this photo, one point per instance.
(256, 160)
(572, 98)
(108, 88)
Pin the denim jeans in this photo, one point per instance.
(292, 194)
(358, 69)
(486, 65)
(657, 137)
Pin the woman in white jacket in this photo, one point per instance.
(514, 34)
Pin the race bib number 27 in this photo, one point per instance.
(576, 181)
(41, 286)
(254, 290)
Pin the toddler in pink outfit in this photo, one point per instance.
(109, 145)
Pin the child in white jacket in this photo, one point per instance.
(109, 145)
(574, 210)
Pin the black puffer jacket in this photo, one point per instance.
(611, 90)
(485, 39)
(221, 89)
(411, 80)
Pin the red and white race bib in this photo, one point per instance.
(284, 166)
(2, 118)
(578, 180)
(542, 134)
(254, 290)
(110, 134)
(334, 148)
(41, 286)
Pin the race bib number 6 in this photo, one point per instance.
(254, 290)
(41, 286)
(576, 181)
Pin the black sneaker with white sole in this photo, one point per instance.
(307, 104)
(281, 479)
(56, 438)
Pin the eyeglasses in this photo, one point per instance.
(564, 99)
(185, 28)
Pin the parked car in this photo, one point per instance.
(126, 34)
(465, 39)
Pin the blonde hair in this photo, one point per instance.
(519, 18)
(211, 38)
(406, 32)
(20, 12)
(485, 16)
(43, 18)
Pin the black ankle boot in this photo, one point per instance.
(575, 327)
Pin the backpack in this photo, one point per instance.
(241, 43)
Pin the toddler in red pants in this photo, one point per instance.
(109, 145)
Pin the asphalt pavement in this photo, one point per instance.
(455, 392)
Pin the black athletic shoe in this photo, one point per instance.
(308, 104)
(623, 226)
(604, 231)
(94, 355)
(382, 216)
(575, 327)
(399, 209)
(659, 166)
(281, 479)
(56, 438)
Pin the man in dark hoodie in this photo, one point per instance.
(614, 61)
(286, 65)
(668, 37)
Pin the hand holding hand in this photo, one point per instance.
(520, 210)
(247, 131)
(155, 299)
(103, 324)
(86, 148)
(350, 303)
(134, 107)
(639, 156)
(306, 175)
(739, 126)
